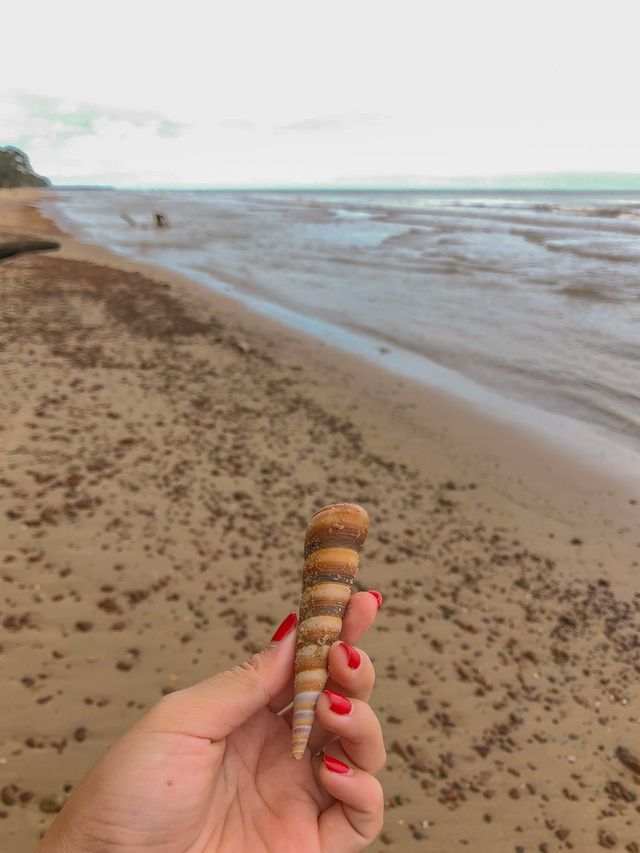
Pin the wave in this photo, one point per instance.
(591, 254)
(413, 237)
(579, 248)
(607, 212)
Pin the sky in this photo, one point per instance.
(294, 92)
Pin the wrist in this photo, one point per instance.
(63, 837)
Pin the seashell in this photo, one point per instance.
(335, 535)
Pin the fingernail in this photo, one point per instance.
(353, 656)
(377, 595)
(338, 704)
(335, 765)
(285, 627)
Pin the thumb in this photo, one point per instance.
(215, 707)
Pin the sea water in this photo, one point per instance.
(530, 297)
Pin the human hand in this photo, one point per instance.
(209, 768)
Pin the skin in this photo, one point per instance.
(209, 768)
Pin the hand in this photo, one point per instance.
(209, 768)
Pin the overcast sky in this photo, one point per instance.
(294, 92)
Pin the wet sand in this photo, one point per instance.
(161, 451)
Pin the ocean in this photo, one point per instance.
(528, 299)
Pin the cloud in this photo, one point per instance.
(241, 124)
(343, 121)
(72, 140)
(61, 120)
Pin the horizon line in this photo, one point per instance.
(531, 181)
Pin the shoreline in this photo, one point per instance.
(480, 440)
(151, 432)
(589, 445)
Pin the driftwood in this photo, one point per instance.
(160, 220)
(8, 250)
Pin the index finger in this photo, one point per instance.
(360, 615)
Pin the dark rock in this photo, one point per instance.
(617, 791)
(8, 795)
(607, 839)
(630, 761)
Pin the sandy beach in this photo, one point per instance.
(161, 449)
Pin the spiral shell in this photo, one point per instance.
(333, 540)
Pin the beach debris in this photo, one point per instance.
(241, 346)
(334, 537)
(617, 791)
(20, 247)
(630, 761)
(160, 220)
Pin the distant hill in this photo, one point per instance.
(16, 171)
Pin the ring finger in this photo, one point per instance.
(357, 727)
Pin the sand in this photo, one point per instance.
(161, 450)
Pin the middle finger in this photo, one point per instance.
(360, 615)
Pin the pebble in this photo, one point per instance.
(51, 804)
(630, 761)
(8, 795)
(607, 839)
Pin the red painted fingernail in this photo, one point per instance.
(285, 627)
(377, 595)
(338, 704)
(335, 765)
(353, 656)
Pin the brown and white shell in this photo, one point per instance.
(335, 535)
